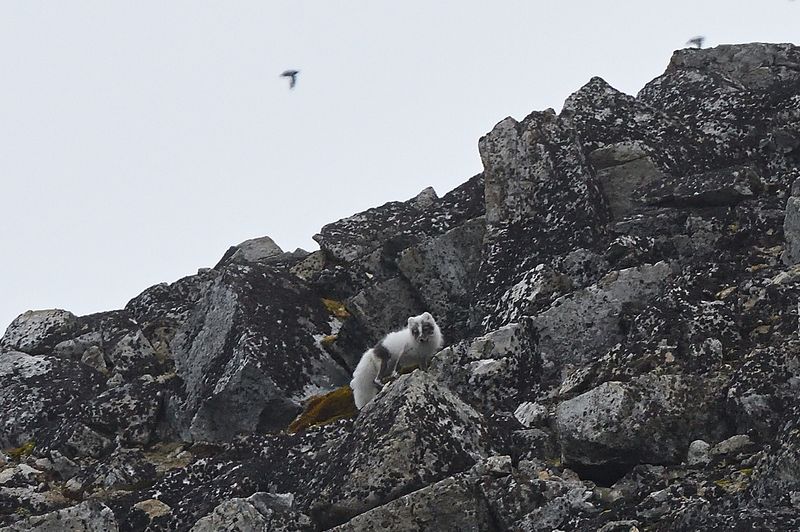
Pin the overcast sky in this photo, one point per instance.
(140, 139)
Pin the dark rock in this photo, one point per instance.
(358, 235)
(728, 186)
(36, 390)
(381, 308)
(248, 355)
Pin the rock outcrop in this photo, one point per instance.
(618, 291)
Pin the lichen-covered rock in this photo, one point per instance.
(617, 130)
(131, 411)
(650, 419)
(250, 354)
(777, 474)
(162, 309)
(761, 389)
(260, 511)
(728, 186)
(493, 370)
(36, 332)
(584, 324)
(791, 226)
(88, 516)
(535, 291)
(36, 390)
(727, 96)
(123, 468)
(360, 234)
(619, 281)
(451, 504)
(413, 433)
(542, 201)
(443, 271)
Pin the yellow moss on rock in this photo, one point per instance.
(324, 409)
(336, 308)
(22, 451)
(328, 340)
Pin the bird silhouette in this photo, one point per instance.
(697, 42)
(292, 75)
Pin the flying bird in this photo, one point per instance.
(292, 74)
(697, 42)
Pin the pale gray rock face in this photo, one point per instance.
(35, 331)
(531, 414)
(586, 323)
(623, 170)
(791, 227)
(443, 272)
(734, 444)
(651, 419)
(257, 250)
(89, 516)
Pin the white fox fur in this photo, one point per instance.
(415, 344)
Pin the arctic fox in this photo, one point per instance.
(415, 344)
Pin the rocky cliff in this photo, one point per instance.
(618, 291)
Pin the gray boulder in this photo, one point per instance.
(36, 332)
(259, 512)
(451, 504)
(491, 370)
(581, 326)
(414, 433)
(651, 419)
(88, 516)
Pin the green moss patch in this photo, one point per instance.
(324, 409)
(18, 453)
